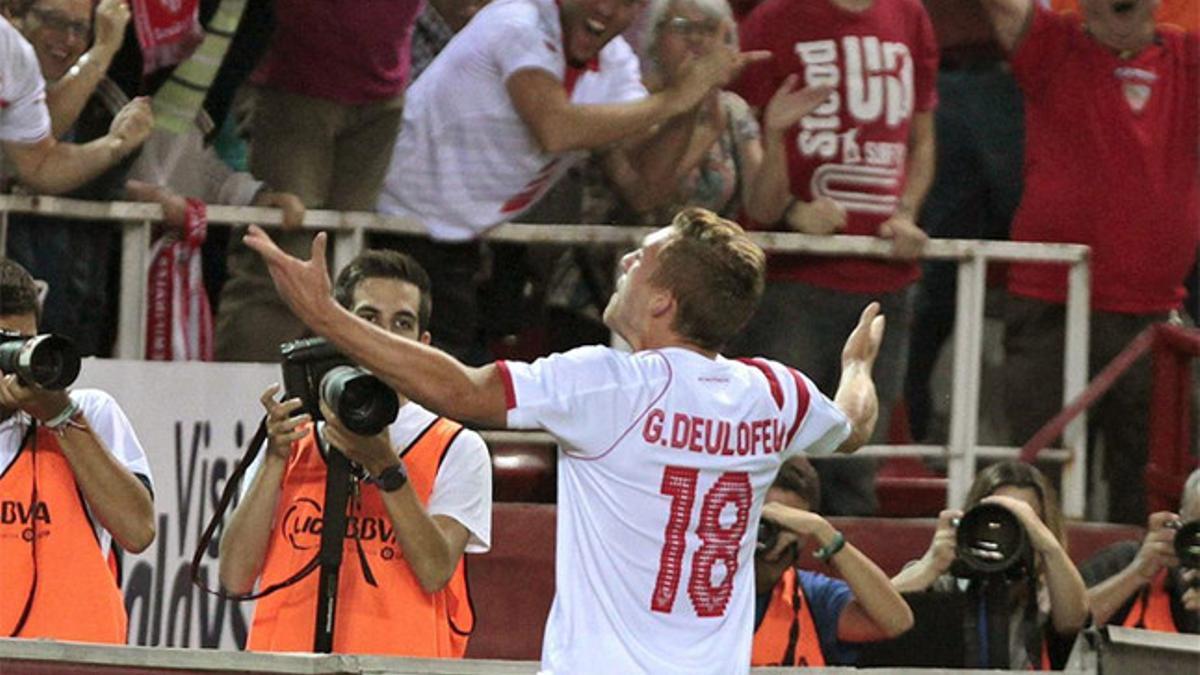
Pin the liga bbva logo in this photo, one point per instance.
(303, 522)
(878, 86)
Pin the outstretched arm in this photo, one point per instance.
(856, 396)
(424, 374)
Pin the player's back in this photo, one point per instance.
(666, 459)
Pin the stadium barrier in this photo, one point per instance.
(972, 256)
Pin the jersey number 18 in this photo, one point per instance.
(717, 543)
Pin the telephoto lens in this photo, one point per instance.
(1187, 544)
(47, 361)
(991, 540)
(363, 403)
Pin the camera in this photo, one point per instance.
(768, 535)
(1187, 543)
(991, 541)
(47, 361)
(314, 371)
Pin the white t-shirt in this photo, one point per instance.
(464, 161)
(110, 425)
(23, 114)
(665, 460)
(462, 489)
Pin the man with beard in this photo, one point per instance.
(1112, 112)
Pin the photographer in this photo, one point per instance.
(402, 588)
(56, 446)
(1047, 605)
(805, 618)
(1143, 584)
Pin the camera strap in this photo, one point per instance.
(218, 517)
(33, 500)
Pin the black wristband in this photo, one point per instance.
(392, 478)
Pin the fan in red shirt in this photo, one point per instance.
(860, 164)
(1112, 114)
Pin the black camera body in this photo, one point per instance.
(768, 535)
(314, 370)
(47, 361)
(992, 542)
(1187, 543)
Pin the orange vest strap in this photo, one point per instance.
(788, 635)
(1151, 609)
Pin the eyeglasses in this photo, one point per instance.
(688, 28)
(55, 21)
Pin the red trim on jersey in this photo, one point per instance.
(510, 394)
(803, 400)
(776, 389)
(637, 420)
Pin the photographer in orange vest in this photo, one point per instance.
(806, 618)
(1143, 584)
(74, 484)
(402, 583)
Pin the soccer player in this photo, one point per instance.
(666, 452)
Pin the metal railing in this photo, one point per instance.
(962, 449)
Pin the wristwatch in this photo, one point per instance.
(392, 478)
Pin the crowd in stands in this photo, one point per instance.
(896, 119)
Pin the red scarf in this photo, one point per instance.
(167, 30)
(178, 318)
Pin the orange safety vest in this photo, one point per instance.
(788, 635)
(1151, 609)
(396, 617)
(50, 555)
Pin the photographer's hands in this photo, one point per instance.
(42, 404)
(283, 425)
(1158, 547)
(373, 453)
(921, 574)
(1040, 536)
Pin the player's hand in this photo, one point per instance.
(283, 425)
(303, 284)
(293, 209)
(132, 125)
(112, 17)
(820, 216)
(1158, 547)
(790, 104)
(373, 453)
(41, 404)
(908, 240)
(862, 347)
(1040, 536)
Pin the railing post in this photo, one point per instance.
(346, 245)
(4, 233)
(968, 355)
(1075, 377)
(135, 253)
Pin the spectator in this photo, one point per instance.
(1141, 584)
(630, 429)
(1103, 94)
(40, 161)
(77, 259)
(805, 618)
(721, 167)
(505, 109)
(330, 94)
(430, 480)
(975, 191)
(1044, 614)
(71, 462)
(1182, 14)
(859, 164)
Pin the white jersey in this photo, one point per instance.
(666, 457)
(23, 114)
(110, 425)
(464, 161)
